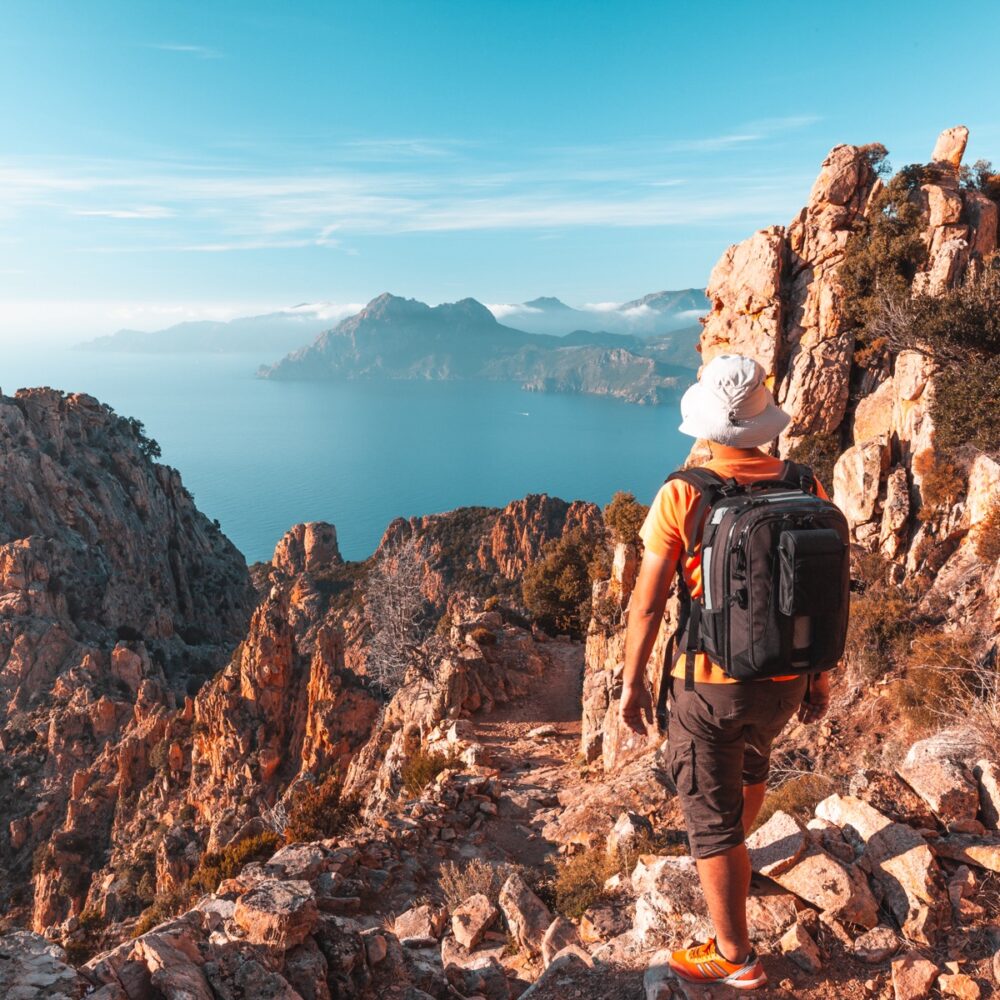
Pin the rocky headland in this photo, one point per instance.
(396, 338)
(404, 777)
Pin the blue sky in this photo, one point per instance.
(166, 159)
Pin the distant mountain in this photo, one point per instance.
(401, 338)
(266, 335)
(653, 315)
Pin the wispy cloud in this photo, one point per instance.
(199, 51)
(145, 212)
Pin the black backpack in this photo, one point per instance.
(776, 579)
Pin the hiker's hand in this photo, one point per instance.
(816, 700)
(636, 708)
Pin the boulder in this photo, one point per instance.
(983, 852)
(548, 731)
(873, 414)
(473, 919)
(31, 967)
(899, 860)
(279, 913)
(670, 904)
(944, 205)
(913, 976)
(895, 513)
(799, 946)
(307, 548)
(835, 888)
(420, 923)
(744, 289)
(564, 963)
(931, 769)
(603, 921)
(775, 846)
(481, 957)
(174, 964)
(950, 147)
(659, 981)
(306, 971)
(959, 985)
(527, 916)
(892, 797)
(768, 916)
(876, 945)
(818, 373)
(560, 935)
(629, 829)
(300, 861)
(857, 479)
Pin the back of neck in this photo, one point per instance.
(726, 453)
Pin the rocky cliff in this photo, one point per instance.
(118, 597)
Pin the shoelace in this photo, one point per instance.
(706, 952)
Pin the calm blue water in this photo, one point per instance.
(261, 456)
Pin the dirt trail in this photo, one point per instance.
(534, 768)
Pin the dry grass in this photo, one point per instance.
(934, 684)
(798, 795)
(459, 882)
(987, 534)
(579, 880)
(942, 482)
(422, 767)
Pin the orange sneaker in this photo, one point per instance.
(704, 964)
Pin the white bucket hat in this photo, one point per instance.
(731, 404)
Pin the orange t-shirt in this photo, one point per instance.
(669, 526)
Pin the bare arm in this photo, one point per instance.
(645, 613)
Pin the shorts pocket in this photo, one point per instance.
(682, 769)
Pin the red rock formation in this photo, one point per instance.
(115, 592)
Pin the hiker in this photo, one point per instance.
(721, 727)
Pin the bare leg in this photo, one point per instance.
(725, 879)
(753, 799)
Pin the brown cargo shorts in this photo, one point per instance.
(719, 739)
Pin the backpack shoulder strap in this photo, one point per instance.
(799, 475)
(708, 485)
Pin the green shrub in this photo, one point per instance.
(165, 906)
(213, 868)
(624, 516)
(422, 767)
(556, 587)
(217, 866)
(981, 177)
(321, 811)
(881, 258)
(966, 405)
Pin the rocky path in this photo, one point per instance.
(534, 743)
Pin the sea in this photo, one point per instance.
(263, 455)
